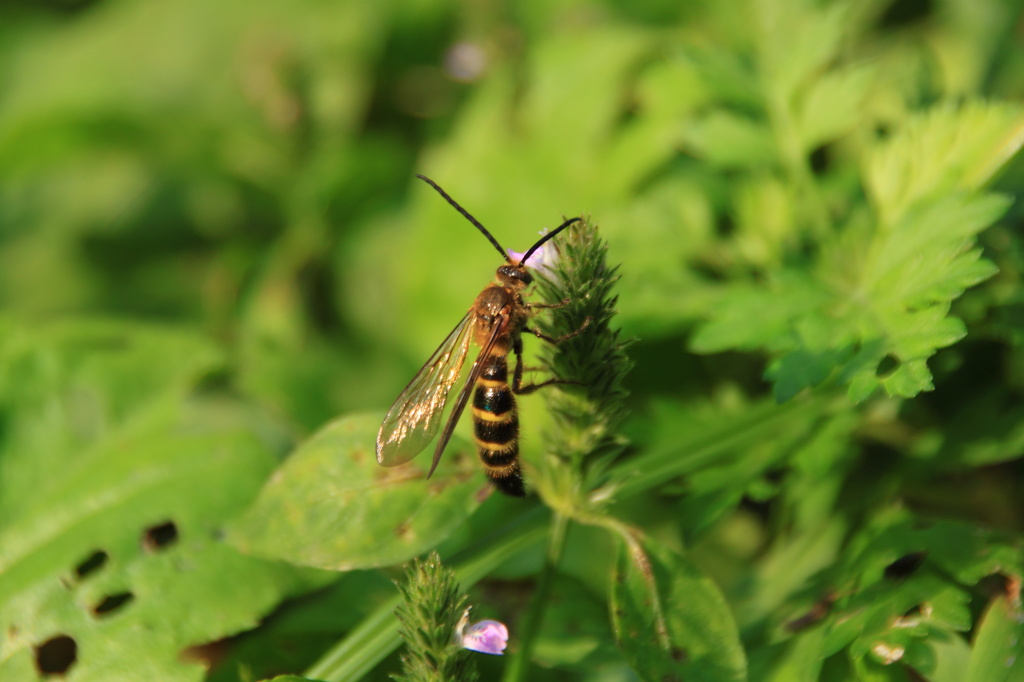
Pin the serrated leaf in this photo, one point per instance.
(888, 304)
(752, 316)
(947, 149)
(895, 603)
(924, 258)
(330, 505)
(697, 638)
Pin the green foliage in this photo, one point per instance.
(216, 269)
(671, 621)
(104, 540)
(325, 508)
(873, 306)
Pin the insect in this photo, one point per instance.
(495, 321)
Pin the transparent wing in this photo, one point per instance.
(414, 419)
(460, 403)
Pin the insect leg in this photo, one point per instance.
(561, 304)
(558, 339)
(517, 376)
(530, 388)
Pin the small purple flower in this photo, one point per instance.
(486, 636)
(541, 260)
(518, 257)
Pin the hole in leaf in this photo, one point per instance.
(886, 366)
(905, 566)
(112, 603)
(820, 160)
(160, 536)
(56, 655)
(92, 564)
(913, 612)
(1000, 585)
(724, 226)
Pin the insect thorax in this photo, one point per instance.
(502, 305)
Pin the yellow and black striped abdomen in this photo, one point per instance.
(496, 426)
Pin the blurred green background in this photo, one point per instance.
(245, 170)
(210, 208)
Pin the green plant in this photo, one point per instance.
(809, 250)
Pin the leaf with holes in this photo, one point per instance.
(113, 562)
(671, 621)
(332, 506)
(908, 591)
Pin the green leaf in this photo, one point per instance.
(302, 630)
(575, 632)
(330, 505)
(765, 223)
(67, 386)
(795, 39)
(126, 554)
(750, 316)
(114, 490)
(857, 314)
(906, 590)
(801, 369)
(947, 149)
(925, 257)
(729, 140)
(800, 659)
(996, 655)
(942, 657)
(670, 620)
(833, 105)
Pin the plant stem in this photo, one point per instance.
(530, 628)
(377, 635)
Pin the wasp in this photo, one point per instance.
(495, 322)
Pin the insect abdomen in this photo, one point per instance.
(496, 427)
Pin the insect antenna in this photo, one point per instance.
(549, 235)
(473, 220)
